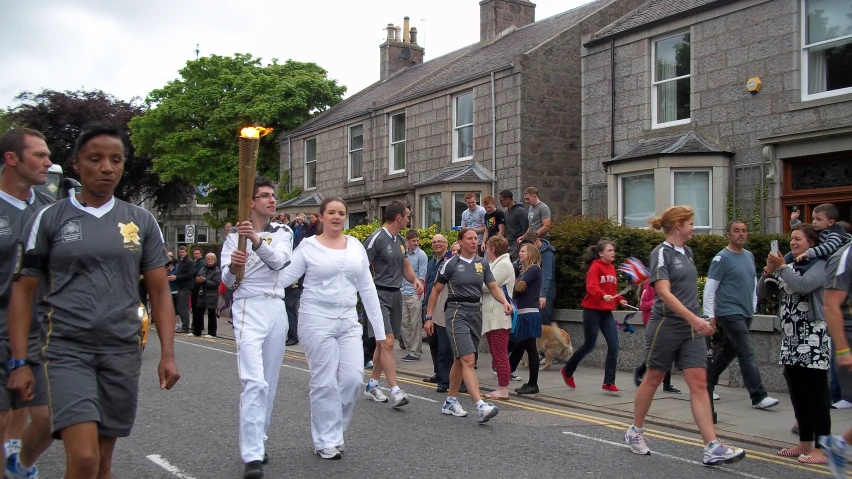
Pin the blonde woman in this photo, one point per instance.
(527, 291)
(676, 333)
(495, 323)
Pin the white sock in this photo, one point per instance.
(712, 444)
(480, 403)
(451, 399)
(394, 389)
(635, 429)
(373, 383)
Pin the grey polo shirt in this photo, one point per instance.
(91, 259)
(386, 253)
(536, 216)
(675, 265)
(465, 278)
(839, 276)
(14, 215)
(736, 274)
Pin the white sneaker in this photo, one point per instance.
(636, 441)
(398, 399)
(375, 394)
(716, 397)
(12, 446)
(515, 377)
(453, 409)
(486, 412)
(329, 453)
(842, 404)
(717, 453)
(209, 336)
(766, 403)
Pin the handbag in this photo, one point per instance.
(514, 310)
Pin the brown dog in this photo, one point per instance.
(555, 343)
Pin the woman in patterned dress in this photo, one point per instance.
(805, 348)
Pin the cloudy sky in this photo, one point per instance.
(130, 47)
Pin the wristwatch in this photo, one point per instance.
(14, 364)
(428, 318)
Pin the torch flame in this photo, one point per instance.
(254, 132)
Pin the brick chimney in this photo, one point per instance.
(399, 51)
(495, 16)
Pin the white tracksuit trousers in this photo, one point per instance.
(335, 356)
(260, 330)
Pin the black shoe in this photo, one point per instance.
(291, 342)
(254, 470)
(463, 389)
(527, 389)
(671, 389)
(442, 389)
(431, 379)
(265, 458)
(637, 378)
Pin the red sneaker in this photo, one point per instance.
(569, 380)
(610, 388)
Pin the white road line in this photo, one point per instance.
(160, 461)
(667, 456)
(294, 367)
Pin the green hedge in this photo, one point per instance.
(363, 231)
(573, 235)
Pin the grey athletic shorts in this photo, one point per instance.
(90, 387)
(464, 327)
(11, 399)
(671, 340)
(391, 304)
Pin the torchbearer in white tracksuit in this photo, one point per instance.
(336, 270)
(260, 318)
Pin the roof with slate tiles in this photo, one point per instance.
(311, 200)
(457, 174)
(465, 64)
(689, 143)
(652, 12)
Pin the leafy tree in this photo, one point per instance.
(192, 124)
(61, 115)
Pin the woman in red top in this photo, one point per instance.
(645, 304)
(601, 298)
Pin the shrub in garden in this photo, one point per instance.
(363, 231)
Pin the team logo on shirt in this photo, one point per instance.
(71, 230)
(402, 248)
(4, 226)
(678, 264)
(267, 240)
(478, 267)
(130, 232)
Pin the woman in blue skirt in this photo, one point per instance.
(528, 329)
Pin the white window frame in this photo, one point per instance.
(453, 199)
(206, 233)
(425, 213)
(391, 144)
(457, 127)
(709, 171)
(654, 83)
(350, 151)
(806, 60)
(620, 193)
(305, 172)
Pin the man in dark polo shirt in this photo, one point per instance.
(386, 252)
(517, 222)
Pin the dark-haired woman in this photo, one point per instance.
(600, 300)
(336, 271)
(92, 245)
(805, 345)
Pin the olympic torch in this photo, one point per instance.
(249, 146)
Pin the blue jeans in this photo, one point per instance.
(593, 321)
(547, 312)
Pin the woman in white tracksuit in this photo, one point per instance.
(336, 270)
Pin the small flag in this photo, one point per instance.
(625, 326)
(635, 270)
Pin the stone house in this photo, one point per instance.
(502, 113)
(736, 107)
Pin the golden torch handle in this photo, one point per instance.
(248, 169)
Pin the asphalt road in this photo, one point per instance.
(191, 433)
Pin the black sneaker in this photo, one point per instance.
(671, 389)
(463, 389)
(527, 389)
(410, 357)
(431, 379)
(442, 389)
(291, 342)
(253, 470)
(265, 458)
(637, 378)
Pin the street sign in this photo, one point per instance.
(189, 233)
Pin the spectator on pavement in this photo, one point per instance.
(412, 303)
(299, 229)
(730, 301)
(495, 323)
(538, 213)
(439, 342)
(495, 220)
(517, 223)
(313, 226)
(186, 282)
(548, 276)
(292, 300)
(198, 309)
(474, 218)
(805, 345)
(209, 279)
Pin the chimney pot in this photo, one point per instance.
(397, 32)
(405, 29)
(391, 32)
(413, 35)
